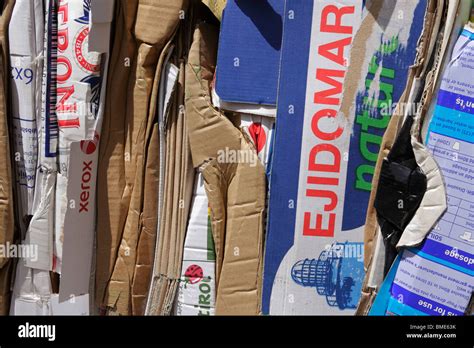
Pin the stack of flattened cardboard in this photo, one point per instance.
(235, 189)
(249, 104)
(348, 123)
(64, 109)
(206, 273)
(126, 226)
(432, 273)
(375, 254)
(176, 186)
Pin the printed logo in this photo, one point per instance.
(86, 186)
(90, 146)
(194, 274)
(335, 274)
(80, 50)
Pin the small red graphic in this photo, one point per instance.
(257, 133)
(89, 146)
(71, 123)
(194, 274)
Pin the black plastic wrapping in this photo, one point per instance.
(401, 188)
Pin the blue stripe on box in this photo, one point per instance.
(286, 154)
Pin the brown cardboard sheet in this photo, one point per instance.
(143, 27)
(236, 190)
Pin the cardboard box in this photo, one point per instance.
(197, 288)
(177, 195)
(243, 108)
(436, 278)
(111, 181)
(338, 84)
(249, 46)
(41, 228)
(79, 143)
(442, 25)
(420, 76)
(153, 195)
(166, 97)
(139, 43)
(235, 188)
(78, 103)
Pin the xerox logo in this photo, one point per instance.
(85, 186)
(90, 146)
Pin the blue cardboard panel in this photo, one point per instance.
(295, 56)
(249, 51)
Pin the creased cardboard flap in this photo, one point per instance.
(236, 190)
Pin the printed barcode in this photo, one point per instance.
(52, 129)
